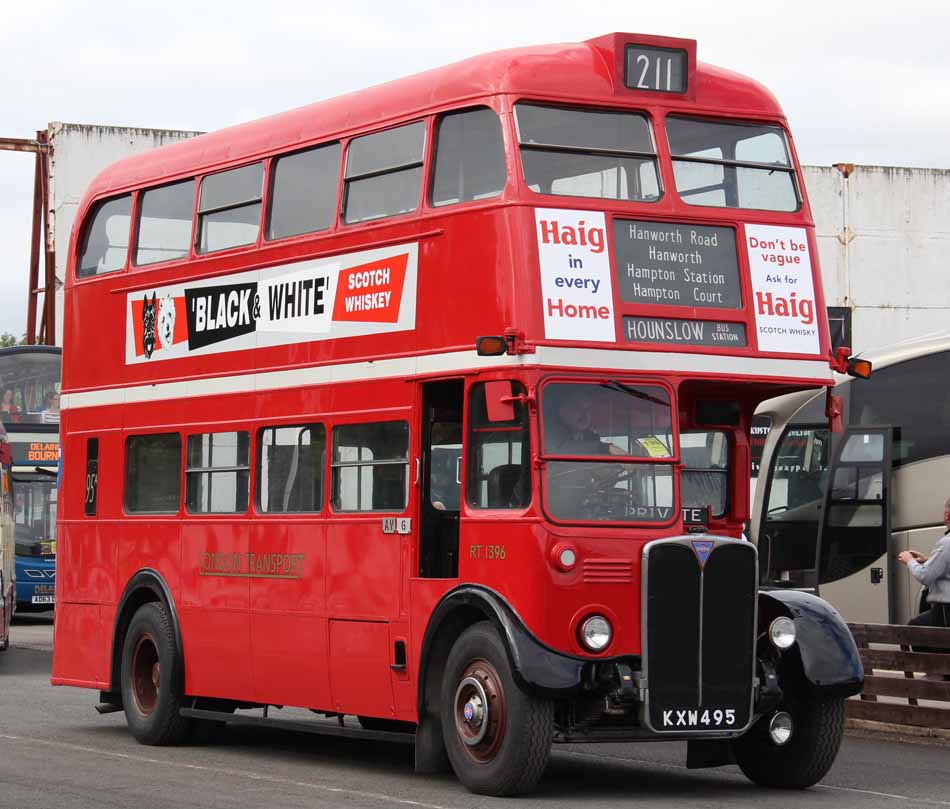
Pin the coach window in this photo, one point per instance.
(153, 473)
(229, 210)
(370, 466)
(303, 192)
(732, 165)
(384, 173)
(921, 421)
(216, 473)
(498, 472)
(164, 223)
(291, 468)
(469, 157)
(587, 153)
(105, 243)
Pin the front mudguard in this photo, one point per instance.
(824, 660)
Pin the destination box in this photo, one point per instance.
(676, 265)
(684, 332)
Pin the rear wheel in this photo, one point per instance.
(151, 676)
(498, 738)
(817, 729)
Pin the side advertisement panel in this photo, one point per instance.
(370, 292)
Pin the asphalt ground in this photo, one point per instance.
(56, 751)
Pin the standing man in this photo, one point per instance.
(934, 573)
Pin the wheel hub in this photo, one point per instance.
(480, 710)
(146, 675)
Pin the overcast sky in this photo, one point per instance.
(857, 85)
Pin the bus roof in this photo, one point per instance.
(569, 71)
(880, 357)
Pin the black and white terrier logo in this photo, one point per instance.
(148, 325)
(166, 321)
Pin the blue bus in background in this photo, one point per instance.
(29, 409)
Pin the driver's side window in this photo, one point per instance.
(498, 456)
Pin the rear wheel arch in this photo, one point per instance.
(144, 587)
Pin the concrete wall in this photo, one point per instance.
(883, 239)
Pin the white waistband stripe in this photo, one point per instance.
(449, 362)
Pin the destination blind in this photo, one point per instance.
(676, 264)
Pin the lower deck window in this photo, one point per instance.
(370, 466)
(216, 477)
(291, 468)
(153, 473)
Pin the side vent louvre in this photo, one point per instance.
(608, 571)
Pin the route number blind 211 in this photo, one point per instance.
(659, 69)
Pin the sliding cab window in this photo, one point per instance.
(229, 208)
(164, 223)
(303, 192)
(153, 473)
(217, 473)
(383, 174)
(705, 473)
(290, 478)
(370, 466)
(587, 153)
(732, 165)
(105, 241)
(499, 472)
(469, 157)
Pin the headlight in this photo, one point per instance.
(567, 558)
(782, 633)
(595, 634)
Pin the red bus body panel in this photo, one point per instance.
(323, 636)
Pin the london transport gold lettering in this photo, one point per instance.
(251, 565)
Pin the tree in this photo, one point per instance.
(7, 340)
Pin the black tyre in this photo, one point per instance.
(498, 738)
(152, 674)
(817, 729)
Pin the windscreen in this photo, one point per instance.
(587, 153)
(731, 164)
(589, 429)
(30, 383)
(34, 515)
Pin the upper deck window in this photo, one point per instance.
(164, 227)
(229, 210)
(384, 173)
(732, 165)
(303, 192)
(105, 243)
(587, 153)
(469, 157)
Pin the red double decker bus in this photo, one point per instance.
(430, 405)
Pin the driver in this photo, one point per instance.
(578, 489)
(575, 434)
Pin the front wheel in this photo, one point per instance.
(498, 738)
(152, 671)
(817, 730)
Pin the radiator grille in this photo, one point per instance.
(699, 623)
